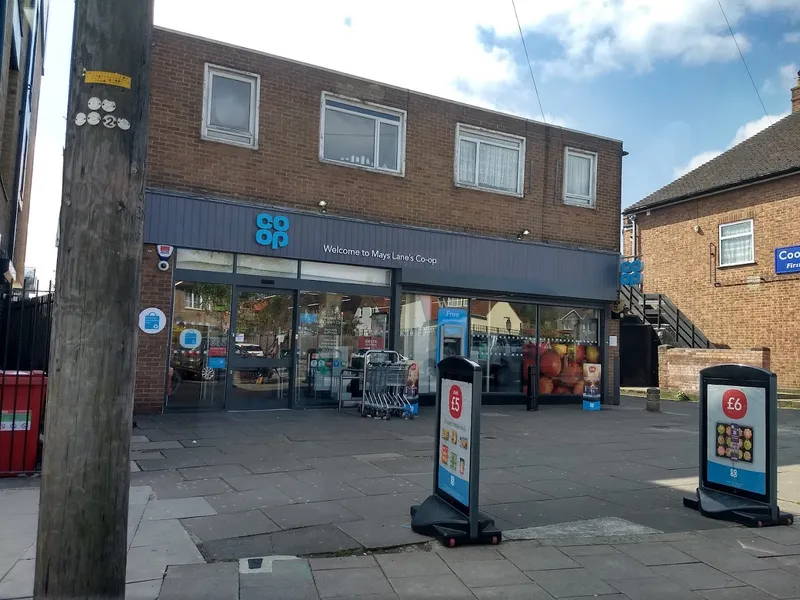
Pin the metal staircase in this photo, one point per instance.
(669, 323)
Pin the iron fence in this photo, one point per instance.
(25, 323)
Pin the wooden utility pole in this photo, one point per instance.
(83, 514)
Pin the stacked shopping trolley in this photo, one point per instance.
(384, 387)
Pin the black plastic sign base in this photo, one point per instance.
(438, 519)
(719, 505)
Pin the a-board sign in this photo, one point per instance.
(451, 513)
(739, 447)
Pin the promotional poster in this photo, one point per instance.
(456, 426)
(736, 450)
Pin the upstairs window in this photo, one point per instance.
(736, 244)
(192, 300)
(230, 106)
(362, 135)
(489, 161)
(580, 177)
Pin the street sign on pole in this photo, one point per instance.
(451, 512)
(739, 447)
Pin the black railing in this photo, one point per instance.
(24, 357)
(662, 314)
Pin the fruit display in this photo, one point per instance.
(735, 447)
(561, 366)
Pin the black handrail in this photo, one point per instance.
(660, 312)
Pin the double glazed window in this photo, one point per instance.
(363, 135)
(580, 177)
(736, 243)
(489, 161)
(230, 106)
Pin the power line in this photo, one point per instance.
(530, 68)
(744, 62)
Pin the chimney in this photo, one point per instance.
(796, 95)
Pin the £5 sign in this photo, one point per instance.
(456, 402)
(734, 404)
(272, 231)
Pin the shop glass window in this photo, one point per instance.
(568, 339)
(203, 260)
(199, 348)
(736, 244)
(334, 332)
(580, 177)
(344, 273)
(230, 106)
(503, 342)
(266, 265)
(432, 328)
(489, 160)
(365, 135)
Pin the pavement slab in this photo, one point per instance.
(412, 564)
(313, 513)
(425, 587)
(697, 576)
(528, 556)
(348, 583)
(321, 539)
(655, 553)
(216, 581)
(575, 582)
(178, 508)
(230, 525)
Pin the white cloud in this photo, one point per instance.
(788, 76)
(744, 132)
(792, 37)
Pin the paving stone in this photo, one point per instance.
(732, 560)
(214, 471)
(575, 582)
(525, 591)
(425, 587)
(787, 536)
(157, 533)
(178, 508)
(385, 485)
(778, 583)
(382, 533)
(150, 562)
(144, 446)
(676, 519)
(313, 513)
(658, 553)
(345, 583)
(154, 478)
(300, 491)
(230, 525)
(642, 500)
(216, 581)
(653, 588)
(697, 576)
(18, 582)
(342, 562)
(245, 483)
(501, 493)
(139, 439)
(412, 564)
(480, 573)
(737, 593)
(143, 590)
(608, 483)
(615, 566)
(312, 540)
(250, 500)
(530, 514)
(587, 507)
(236, 548)
(378, 507)
(189, 489)
(145, 455)
(461, 553)
(275, 465)
(560, 488)
(159, 464)
(529, 557)
(290, 580)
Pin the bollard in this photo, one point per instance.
(653, 400)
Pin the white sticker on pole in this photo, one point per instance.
(152, 320)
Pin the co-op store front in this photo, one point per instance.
(269, 305)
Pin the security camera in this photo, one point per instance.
(163, 265)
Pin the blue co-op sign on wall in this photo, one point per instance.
(272, 231)
(787, 260)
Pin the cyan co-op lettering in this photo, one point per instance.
(272, 231)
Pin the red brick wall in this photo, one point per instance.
(725, 303)
(285, 170)
(613, 357)
(151, 360)
(679, 368)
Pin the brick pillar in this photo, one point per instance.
(152, 350)
(612, 385)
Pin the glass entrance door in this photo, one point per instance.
(263, 349)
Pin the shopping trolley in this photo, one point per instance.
(384, 387)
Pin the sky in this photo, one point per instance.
(665, 77)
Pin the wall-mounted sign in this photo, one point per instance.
(190, 339)
(152, 320)
(630, 272)
(272, 231)
(787, 260)
(164, 251)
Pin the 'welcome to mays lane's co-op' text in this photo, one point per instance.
(380, 255)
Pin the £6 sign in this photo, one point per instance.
(734, 404)
(272, 231)
(456, 402)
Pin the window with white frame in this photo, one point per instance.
(580, 177)
(488, 160)
(192, 301)
(230, 106)
(736, 243)
(364, 135)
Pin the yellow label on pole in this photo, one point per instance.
(107, 78)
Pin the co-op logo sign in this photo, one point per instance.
(272, 231)
(787, 260)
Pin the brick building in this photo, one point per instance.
(316, 215)
(723, 244)
(23, 30)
